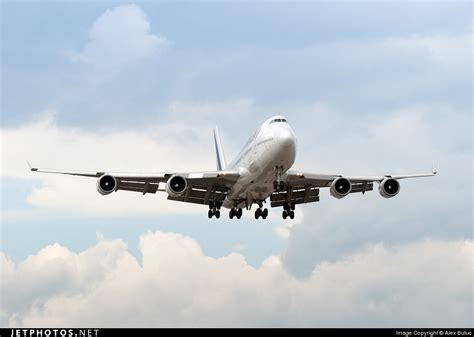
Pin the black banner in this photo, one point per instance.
(103, 332)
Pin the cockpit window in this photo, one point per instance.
(278, 120)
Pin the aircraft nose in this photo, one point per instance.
(287, 139)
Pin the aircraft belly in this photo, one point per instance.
(257, 186)
(260, 163)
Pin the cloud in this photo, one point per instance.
(229, 110)
(359, 104)
(449, 52)
(401, 141)
(171, 145)
(239, 247)
(283, 230)
(359, 70)
(166, 148)
(120, 37)
(358, 75)
(175, 284)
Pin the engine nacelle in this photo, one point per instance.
(389, 187)
(176, 185)
(106, 184)
(340, 187)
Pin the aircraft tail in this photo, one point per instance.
(221, 163)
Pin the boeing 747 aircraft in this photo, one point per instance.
(260, 171)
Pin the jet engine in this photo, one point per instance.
(106, 184)
(389, 187)
(176, 185)
(340, 187)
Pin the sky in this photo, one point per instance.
(368, 87)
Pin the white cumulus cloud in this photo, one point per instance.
(120, 37)
(165, 148)
(423, 283)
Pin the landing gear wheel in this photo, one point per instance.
(211, 205)
(210, 214)
(218, 214)
(239, 213)
(258, 213)
(231, 214)
(264, 213)
(286, 207)
(292, 205)
(292, 215)
(284, 214)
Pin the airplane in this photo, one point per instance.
(259, 172)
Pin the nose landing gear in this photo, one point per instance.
(278, 184)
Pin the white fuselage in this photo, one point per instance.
(269, 152)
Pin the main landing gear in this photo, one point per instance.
(288, 210)
(259, 212)
(214, 209)
(237, 212)
(290, 214)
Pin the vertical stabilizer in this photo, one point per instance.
(221, 163)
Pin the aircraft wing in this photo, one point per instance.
(304, 187)
(201, 186)
(325, 180)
